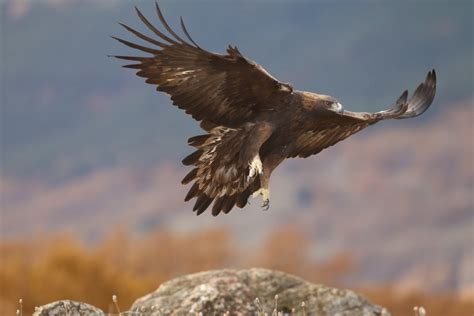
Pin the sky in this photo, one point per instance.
(64, 100)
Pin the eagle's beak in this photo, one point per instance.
(339, 108)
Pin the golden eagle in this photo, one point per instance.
(252, 120)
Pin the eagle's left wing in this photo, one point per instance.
(226, 90)
(337, 127)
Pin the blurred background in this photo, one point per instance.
(91, 200)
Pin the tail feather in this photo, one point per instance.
(193, 158)
(217, 207)
(198, 141)
(202, 203)
(190, 176)
(220, 175)
(228, 204)
(193, 192)
(243, 197)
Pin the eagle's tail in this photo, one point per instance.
(219, 174)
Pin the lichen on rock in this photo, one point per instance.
(69, 308)
(235, 291)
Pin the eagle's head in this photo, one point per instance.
(331, 104)
(320, 102)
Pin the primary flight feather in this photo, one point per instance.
(252, 120)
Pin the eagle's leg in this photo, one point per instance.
(250, 153)
(256, 169)
(258, 133)
(264, 187)
(270, 162)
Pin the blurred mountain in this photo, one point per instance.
(397, 197)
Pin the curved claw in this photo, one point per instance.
(265, 197)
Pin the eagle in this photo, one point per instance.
(252, 121)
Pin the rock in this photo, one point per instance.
(235, 291)
(67, 307)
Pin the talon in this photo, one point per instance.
(265, 193)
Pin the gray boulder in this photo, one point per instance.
(69, 308)
(235, 291)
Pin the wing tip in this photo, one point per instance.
(403, 97)
(138, 12)
(433, 76)
(422, 98)
(430, 80)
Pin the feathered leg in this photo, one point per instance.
(270, 162)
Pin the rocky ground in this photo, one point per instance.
(236, 292)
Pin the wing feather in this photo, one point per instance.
(185, 31)
(136, 46)
(167, 27)
(153, 28)
(225, 90)
(143, 37)
(335, 128)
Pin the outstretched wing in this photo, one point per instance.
(336, 127)
(219, 89)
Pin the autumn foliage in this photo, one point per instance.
(59, 267)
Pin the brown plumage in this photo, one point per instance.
(253, 121)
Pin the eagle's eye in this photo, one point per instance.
(327, 103)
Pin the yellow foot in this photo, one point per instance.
(265, 193)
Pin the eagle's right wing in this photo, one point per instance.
(217, 89)
(338, 127)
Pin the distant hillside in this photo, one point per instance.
(398, 196)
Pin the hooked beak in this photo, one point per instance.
(338, 108)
